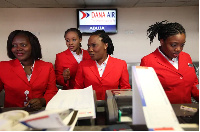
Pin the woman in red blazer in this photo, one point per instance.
(103, 72)
(66, 62)
(27, 80)
(174, 67)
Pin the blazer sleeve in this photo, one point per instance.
(59, 71)
(143, 62)
(79, 79)
(51, 89)
(124, 80)
(195, 90)
(1, 85)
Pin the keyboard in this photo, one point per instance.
(185, 119)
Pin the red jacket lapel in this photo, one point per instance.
(161, 60)
(109, 67)
(18, 69)
(69, 56)
(36, 71)
(93, 67)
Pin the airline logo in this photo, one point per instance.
(85, 15)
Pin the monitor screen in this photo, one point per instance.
(90, 20)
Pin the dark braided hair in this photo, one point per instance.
(76, 31)
(164, 30)
(105, 39)
(35, 44)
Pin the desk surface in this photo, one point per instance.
(100, 121)
(22, 108)
(89, 128)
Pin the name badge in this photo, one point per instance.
(190, 65)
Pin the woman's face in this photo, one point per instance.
(173, 45)
(96, 48)
(72, 41)
(21, 48)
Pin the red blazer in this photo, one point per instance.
(66, 60)
(179, 84)
(115, 76)
(14, 81)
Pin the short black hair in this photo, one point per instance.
(164, 29)
(105, 39)
(35, 44)
(76, 31)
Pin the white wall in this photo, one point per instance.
(131, 42)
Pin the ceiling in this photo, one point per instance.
(95, 3)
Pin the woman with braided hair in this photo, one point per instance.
(173, 67)
(102, 71)
(67, 62)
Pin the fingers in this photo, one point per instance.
(27, 104)
(34, 104)
(66, 74)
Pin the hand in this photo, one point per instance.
(66, 74)
(36, 103)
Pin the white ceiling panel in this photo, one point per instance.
(151, 4)
(32, 3)
(71, 2)
(124, 3)
(95, 3)
(98, 2)
(178, 1)
(162, 4)
(5, 4)
(192, 3)
(152, 1)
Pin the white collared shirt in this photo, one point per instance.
(77, 57)
(174, 61)
(102, 67)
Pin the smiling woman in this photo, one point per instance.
(27, 80)
(21, 49)
(173, 67)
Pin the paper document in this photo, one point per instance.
(51, 120)
(77, 99)
(150, 101)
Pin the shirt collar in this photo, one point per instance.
(74, 53)
(104, 63)
(173, 59)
